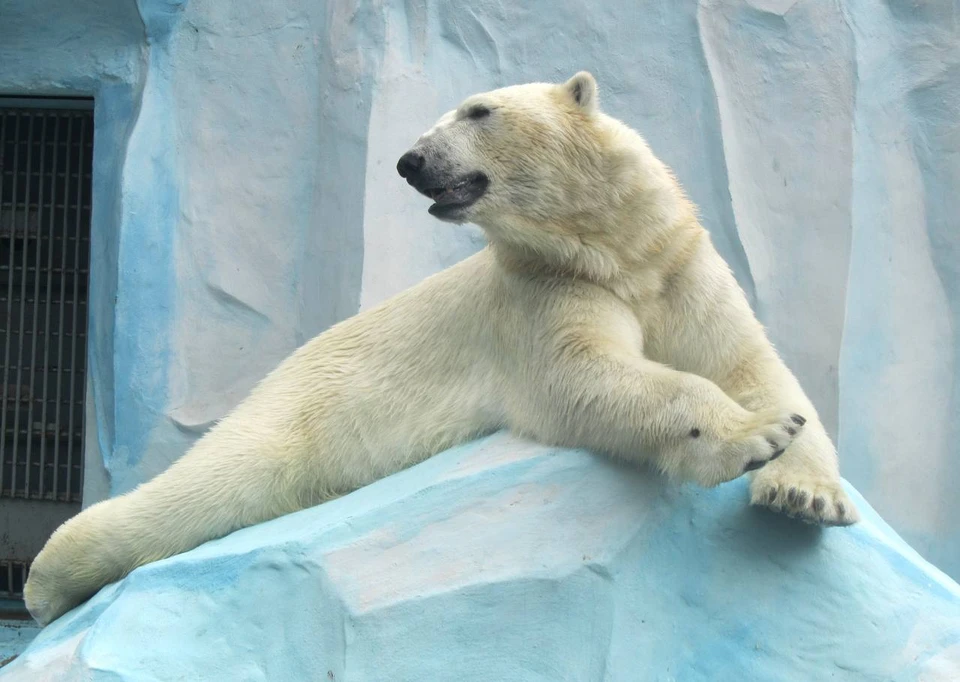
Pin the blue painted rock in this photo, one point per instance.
(506, 560)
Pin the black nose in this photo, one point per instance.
(410, 164)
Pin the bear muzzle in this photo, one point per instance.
(451, 192)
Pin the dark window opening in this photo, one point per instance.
(46, 153)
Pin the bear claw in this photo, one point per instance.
(816, 502)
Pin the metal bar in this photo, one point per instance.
(47, 102)
(22, 307)
(36, 307)
(73, 326)
(63, 295)
(4, 299)
(40, 400)
(3, 145)
(6, 340)
(37, 206)
(4, 268)
(62, 435)
(71, 176)
(85, 273)
(14, 366)
(23, 295)
(46, 325)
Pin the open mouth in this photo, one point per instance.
(457, 196)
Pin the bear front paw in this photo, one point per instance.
(764, 438)
(755, 441)
(758, 442)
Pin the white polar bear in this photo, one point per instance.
(599, 316)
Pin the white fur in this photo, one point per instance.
(599, 316)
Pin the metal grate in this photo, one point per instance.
(13, 574)
(45, 177)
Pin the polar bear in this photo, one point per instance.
(598, 316)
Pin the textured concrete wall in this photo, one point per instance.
(246, 197)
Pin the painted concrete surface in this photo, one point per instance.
(15, 635)
(507, 560)
(246, 198)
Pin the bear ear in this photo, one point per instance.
(582, 88)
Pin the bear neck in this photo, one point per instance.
(631, 251)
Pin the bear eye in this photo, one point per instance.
(478, 112)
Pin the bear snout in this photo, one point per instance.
(410, 164)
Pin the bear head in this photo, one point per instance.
(541, 169)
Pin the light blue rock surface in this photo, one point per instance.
(505, 560)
